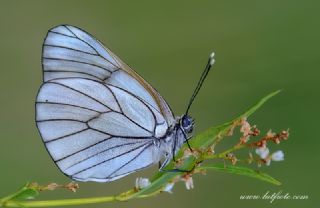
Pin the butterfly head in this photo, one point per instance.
(187, 123)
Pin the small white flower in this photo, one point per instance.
(263, 152)
(188, 182)
(168, 188)
(268, 161)
(277, 156)
(142, 183)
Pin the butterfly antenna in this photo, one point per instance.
(201, 80)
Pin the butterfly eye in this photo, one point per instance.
(187, 123)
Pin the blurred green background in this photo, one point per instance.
(260, 46)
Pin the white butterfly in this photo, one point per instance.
(98, 118)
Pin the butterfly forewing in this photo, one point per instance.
(97, 117)
(71, 52)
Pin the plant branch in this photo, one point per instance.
(204, 142)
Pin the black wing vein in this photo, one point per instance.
(71, 71)
(125, 164)
(80, 62)
(142, 101)
(62, 34)
(91, 46)
(99, 163)
(71, 49)
(82, 93)
(66, 136)
(60, 119)
(66, 104)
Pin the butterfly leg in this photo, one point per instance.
(176, 170)
(186, 138)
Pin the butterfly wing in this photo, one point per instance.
(69, 51)
(97, 117)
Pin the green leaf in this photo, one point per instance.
(202, 140)
(26, 193)
(259, 104)
(241, 171)
(23, 193)
(208, 137)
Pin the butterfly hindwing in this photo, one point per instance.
(87, 125)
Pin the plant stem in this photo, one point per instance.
(205, 140)
(62, 202)
(82, 201)
(67, 202)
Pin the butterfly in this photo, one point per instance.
(98, 118)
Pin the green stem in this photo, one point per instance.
(68, 202)
(125, 196)
(62, 202)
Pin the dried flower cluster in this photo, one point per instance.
(72, 186)
(261, 145)
(271, 136)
